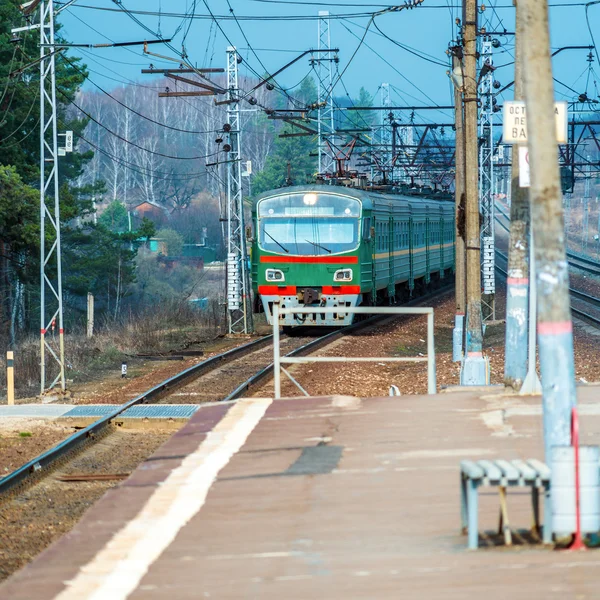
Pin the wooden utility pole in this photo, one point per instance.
(555, 329)
(459, 199)
(517, 282)
(474, 369)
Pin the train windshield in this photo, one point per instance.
(308, 223)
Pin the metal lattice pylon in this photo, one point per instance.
(486, 183)
(239, 305)
(325, 125)
(386, 132)
(51, 304)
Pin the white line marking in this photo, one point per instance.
(254, 555)
(118, 568)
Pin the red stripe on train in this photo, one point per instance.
(347, 260)
(276, 290)
(341, 289)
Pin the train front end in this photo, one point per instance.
(306, 253)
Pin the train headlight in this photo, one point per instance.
(343, 275)
(310, 199)
(275, 275)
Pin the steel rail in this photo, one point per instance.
(574, 293)
(327, 339)
(76, 440)
(585, 264)
(89, 433)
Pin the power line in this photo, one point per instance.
(215, 20)
(17, 129)
(8, 79)
(587, 20)
(123, 139)
(435, 62)
(390, 65)
(139, 168)
(293, 100)
(34, 128)
(133, 110)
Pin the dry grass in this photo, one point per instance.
(166, 327)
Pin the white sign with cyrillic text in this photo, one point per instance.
(514, 126)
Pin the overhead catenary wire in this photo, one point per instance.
(410, 50)
(19, 127)
(587, 20)
(125, 106)
(215, 20)
(123, 139)
(139, 168)
(392, 67)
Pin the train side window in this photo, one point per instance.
(366, 228)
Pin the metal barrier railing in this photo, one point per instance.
(278, 360)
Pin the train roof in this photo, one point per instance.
(367, 197)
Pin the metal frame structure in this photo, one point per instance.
(278, 360)
(487, 182)
(325, 124)
(51, 302)
(239, 304)
(386, 132)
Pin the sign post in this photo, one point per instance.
(515, 132)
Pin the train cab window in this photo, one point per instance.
(311, 223)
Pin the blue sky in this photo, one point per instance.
(278, 31)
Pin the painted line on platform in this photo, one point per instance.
(116, 571)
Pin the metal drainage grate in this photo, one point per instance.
(161, 411)
(91, 410)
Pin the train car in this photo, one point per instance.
(322, 245)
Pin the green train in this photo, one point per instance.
(323, 245)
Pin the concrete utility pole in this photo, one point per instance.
(517, 282)
(475, 366)
(555, 329)
(459, 200)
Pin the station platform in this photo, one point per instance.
(302, 498)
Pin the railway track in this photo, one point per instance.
(43, 464)
(577, 261)
(575, 294)
(203, 382)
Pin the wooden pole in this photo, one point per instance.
(90, 315)
(555, 329)
(474, 371)
(10, 377)
(517, 283)
(459, 200)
